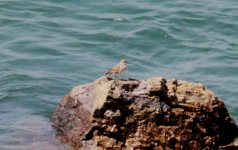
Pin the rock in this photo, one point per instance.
(143, 114)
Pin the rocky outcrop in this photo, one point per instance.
(143, 114)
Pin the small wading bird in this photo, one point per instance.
(118, 69)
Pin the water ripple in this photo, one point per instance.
(47, 47)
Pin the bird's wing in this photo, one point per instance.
(114, 70)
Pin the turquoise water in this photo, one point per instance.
(47, 47)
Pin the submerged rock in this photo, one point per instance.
(143, 114)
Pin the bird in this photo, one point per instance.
(118, 69)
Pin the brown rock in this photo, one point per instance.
(145, 114)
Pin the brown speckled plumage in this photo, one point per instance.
(118, 69)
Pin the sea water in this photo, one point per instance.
(49, 46)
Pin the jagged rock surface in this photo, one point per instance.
(143, 114)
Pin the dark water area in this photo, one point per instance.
(47, 47)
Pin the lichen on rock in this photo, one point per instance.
(143, 114)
